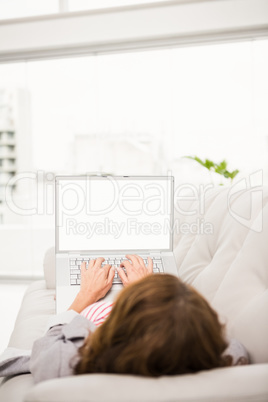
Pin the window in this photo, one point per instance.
(26, 8)
(10, 9)
(131, 113)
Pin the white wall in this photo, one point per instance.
(23, 249)
(169, 23)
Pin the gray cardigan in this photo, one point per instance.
(56, 354)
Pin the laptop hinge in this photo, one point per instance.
(155, 255)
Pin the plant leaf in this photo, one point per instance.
(222, 165)
(220, 168)
(233, 174)
(209, 164)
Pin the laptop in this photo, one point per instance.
(111, 216)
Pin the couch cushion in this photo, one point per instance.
(229, 263)
(237, 384)
(14, 389)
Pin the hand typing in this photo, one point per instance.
(95, 283)
(135, 269)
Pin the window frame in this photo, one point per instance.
(129, 28)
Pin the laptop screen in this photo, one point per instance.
(110, 213)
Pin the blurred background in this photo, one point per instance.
(122, 112)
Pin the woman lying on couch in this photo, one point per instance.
(157, 326)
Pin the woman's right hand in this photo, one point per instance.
(96, 281)
(135, 269)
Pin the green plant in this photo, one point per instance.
(220, 168)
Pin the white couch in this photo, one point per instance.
(227, 263)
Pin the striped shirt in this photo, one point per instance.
(97, 312)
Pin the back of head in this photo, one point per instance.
(158, 326)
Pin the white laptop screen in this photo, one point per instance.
(114, 213)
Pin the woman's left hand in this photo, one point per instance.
(96, 281)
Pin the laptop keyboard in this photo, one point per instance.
(75, 263)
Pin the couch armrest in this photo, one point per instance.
(37, 306)
(50, 268)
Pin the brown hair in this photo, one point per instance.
(158, 326)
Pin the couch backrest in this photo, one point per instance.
(221, 249)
